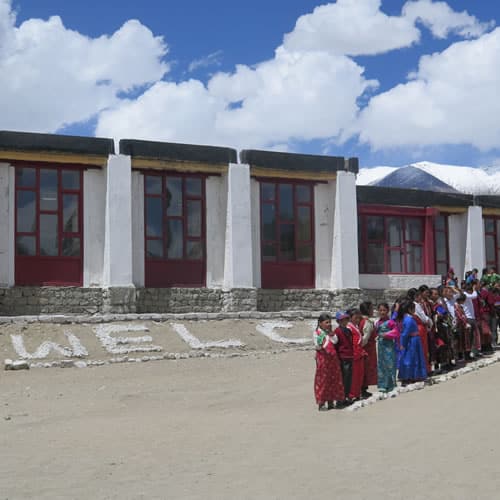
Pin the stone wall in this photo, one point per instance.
(73, 300)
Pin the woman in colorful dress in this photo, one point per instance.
(359, 355)
(412, 364)
(388, 343)
(328, 386)
(367, 328)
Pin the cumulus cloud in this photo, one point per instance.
(51, 76)
(359, 27)
(452, 100)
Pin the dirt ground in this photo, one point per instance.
(242, 428)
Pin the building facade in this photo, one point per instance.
(162, 227)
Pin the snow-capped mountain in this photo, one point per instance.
(469, 180)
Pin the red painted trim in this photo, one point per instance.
(495, 235)
(391, 210)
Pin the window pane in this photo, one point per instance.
(441, 268)
(395, 261)
(174, 239)
(48, 189)
(174, 196)
(26, 245)
(304, 223)
(305, 253)
(269, 253)
(287, 241)
(303, 194)
(490, 249)
(26, 211)
(440, 223)
(441, 253)
(153, 184)
(49, 244)
(71, 247)
(70, 213)
(193, 187)
(25, 177)
(268, 191)
(71, 179)
(375, 228)
(268, 222)
(489, 225)
(414, 260)
(374, 262)
(286, 202)
(414, 229)
(394, 231)
(194, 250)
(154, 217)
(154, 249)
(194, 218)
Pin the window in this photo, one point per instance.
(391, 244)
(287, 239)
(441, 243)
(492, 241)
(49, 233)
(174, 229)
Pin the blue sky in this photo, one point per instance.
(247, 33)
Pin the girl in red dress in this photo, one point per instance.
(328, 386)
(359, 355)
(367, 328)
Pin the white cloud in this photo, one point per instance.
(359, 27)
(51, 76)
(213, 59)
(452, 100)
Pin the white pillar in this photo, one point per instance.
(118, 225)
(475, 253)
(138, 250)
(216, 206)
(345, 269)
(324, 207)
(7, 225)
(238, 271)
(457, 238)
(94, 215)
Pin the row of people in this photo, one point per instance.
(427, 331)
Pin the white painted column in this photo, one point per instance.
(345, 269)
(238, 271)
(457, 238)
(216, 205)
(138, 250)
(475, 252)
(94, 215)
(324, 207)
(118, 223)
(7, 225)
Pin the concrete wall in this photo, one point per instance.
(324, 209)
(94, 209)
(457, 236)
(399, 281)
(7, 225)
(138, 250)
(216, 208)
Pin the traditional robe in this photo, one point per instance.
(367, 328)
(358, 362)
(412, 364)
(388, 344)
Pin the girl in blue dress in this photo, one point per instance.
(412, 365)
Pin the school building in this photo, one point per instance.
(162, 227)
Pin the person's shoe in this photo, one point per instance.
(331, 405)
(366, 394)
(322, 408)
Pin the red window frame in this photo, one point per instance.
(57, 270)
(495, 234)
(404, 213)
(283, 272)
(171, 272)
(442, 266)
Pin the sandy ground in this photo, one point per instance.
(242, 428)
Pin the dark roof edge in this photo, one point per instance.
(177, 152)
(298, 162)
(31, 141)
(376, 195)
(487, 201)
